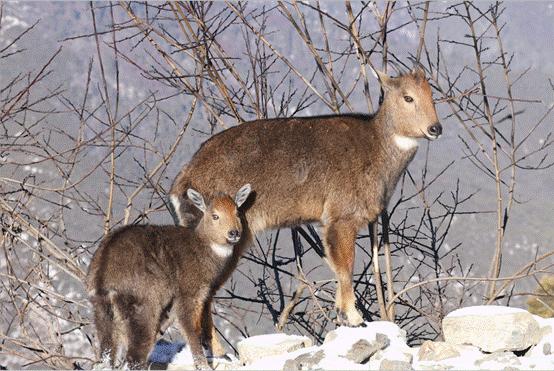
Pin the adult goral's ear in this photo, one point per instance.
(418, 72)
(242, 194)
(386, 81)
(196, 199)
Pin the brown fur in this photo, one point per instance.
(142, 273)
(339, 170)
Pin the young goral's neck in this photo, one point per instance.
(222, 251)
(219, 251)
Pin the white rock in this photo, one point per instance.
(277, 362)
(362, 350)
(306, 361)
(438, 351)
(537, 363)
(435, 366)
(331, 362)
(350, 335)
(262, 346)
(491, 328)
(321, 360)
(498, 361)
(346, 347)
(183, 361)
(485, 310)
(336, 348)
(268, 363)
(466, 361)
(544, 322)
(387, 365)
(545, 346)
(393, 355)
(340, 341)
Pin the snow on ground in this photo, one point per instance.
(382, 345)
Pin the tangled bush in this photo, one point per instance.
(543, 303)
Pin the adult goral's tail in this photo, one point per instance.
(174, 207)
(182, 211)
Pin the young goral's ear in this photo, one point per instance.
(196, 199)
(242, 194)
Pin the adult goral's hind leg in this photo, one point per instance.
(339, 241)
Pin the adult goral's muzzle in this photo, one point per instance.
(434, 131)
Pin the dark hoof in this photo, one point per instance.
(202, 366)
(226, 357)
(342, 320)
(223, 357)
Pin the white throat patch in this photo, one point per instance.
(404, 143)
(223, 251)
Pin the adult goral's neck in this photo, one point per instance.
(384, 131)
(222, 251)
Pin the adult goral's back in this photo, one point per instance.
(339, 170)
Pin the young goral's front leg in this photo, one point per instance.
(209, 333)
(190, 320)
(339, 241)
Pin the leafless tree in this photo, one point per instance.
(64, 186)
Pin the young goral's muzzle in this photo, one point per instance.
(233, 236)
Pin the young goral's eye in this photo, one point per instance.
(215, 216)
(408, 99)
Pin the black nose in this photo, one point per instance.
(234, 233)
(435, 130)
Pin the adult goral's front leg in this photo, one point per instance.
(339, 240)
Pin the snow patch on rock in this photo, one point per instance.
(485, 310)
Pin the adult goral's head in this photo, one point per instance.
(409, 106)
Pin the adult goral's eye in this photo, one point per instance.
(408, 99)
(215, 216)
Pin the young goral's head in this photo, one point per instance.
(409, 105)
(221, 221)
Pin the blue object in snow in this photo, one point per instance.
(164, 351)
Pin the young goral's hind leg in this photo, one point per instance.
(105, 328)
(339, 241)
(141, 318)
